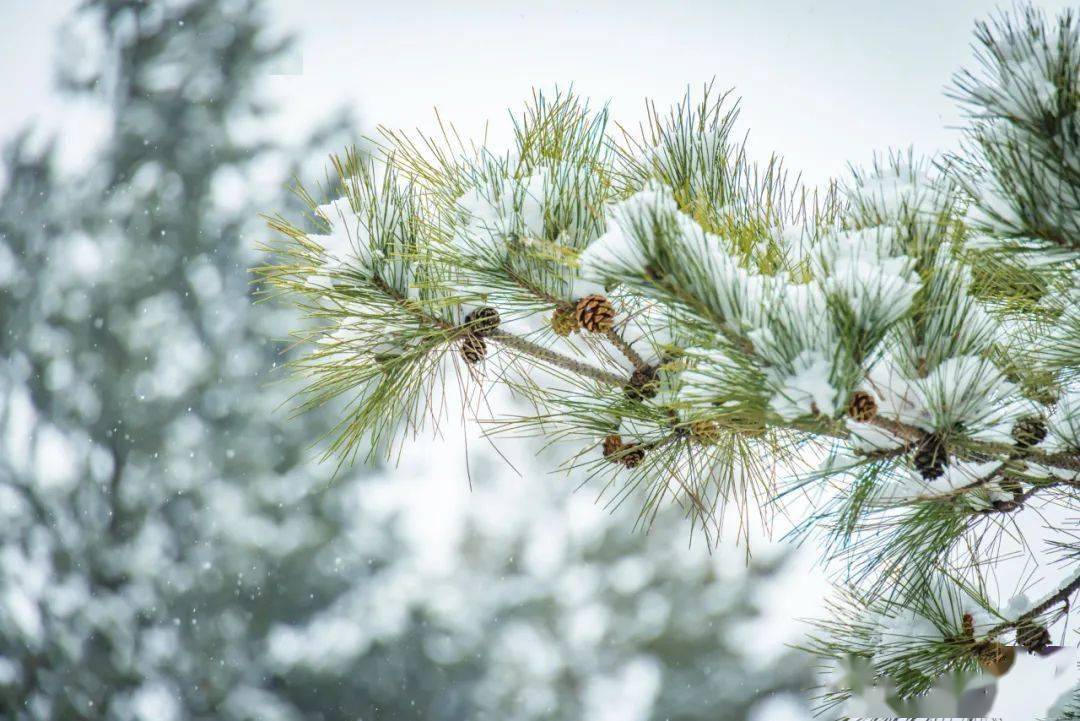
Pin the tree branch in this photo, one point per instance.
(556, 359)
(1060, 596)
(626, 349)
(913, 434)
(614, 336)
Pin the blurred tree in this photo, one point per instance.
(139, 439)
(534, 603)
(167, 551)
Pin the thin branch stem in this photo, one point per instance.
(510, 340)
(409, 305)
(626, 349)
(1060, 596)
(1019, 499)
(912, 434)
(556, 359)
(613, 335)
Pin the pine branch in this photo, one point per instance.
(626, 349)
(1060, 596)
(1019, 499)
(614, 336)
(783, 316)
(978, 449)
(512, 341)
(547, 355)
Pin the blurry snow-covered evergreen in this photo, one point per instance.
(169, 549)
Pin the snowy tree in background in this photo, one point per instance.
(148, 488)
(522, 601)
(168, 550)
(901, 348)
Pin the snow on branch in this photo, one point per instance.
(706, 329)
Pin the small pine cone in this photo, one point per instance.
(617, 452)
(632, 456)
(595, 314)
(612, 444)
(996, 658)
(564, 322)
(1033, 637)
(1028, 432)
(473, 348)
(862, 406)
(968, 624)
(931, 456)
(483, 320)
(707, 433)
(643, 384)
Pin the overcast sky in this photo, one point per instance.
(824, 83)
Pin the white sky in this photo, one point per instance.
(824, 83)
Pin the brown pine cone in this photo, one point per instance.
(483, 320)
(862, 406)
(473, 348)
(564, 322)
(931, 456)
(617, 452)
(643, 384)
(968, 624)
(1033, 637)
(1028, 432)
(612, 444)
(595, 314)
(632, 456)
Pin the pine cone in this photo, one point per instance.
(632, 456)
(618, 452)
(1029, 432)
(997, 658)
(862, 406)
(612, 444)
(707, 433)
(564, 322)
(483, 320)
(931, 456)
(1033, 637)
(473, 348)
(968, 624)
(595, 314)
(643, 384)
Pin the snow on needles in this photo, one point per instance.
(807, 389)
(499, 208)
(630, 238)
(878, 286)
(789, 324)
(1063, 425)
(967, 391)
(345, 243)
(970, 391)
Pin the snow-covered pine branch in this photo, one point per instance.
(699, 324)
(1022, 168)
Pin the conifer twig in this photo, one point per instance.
(1060, 596)
(626, 349)
(556, 359)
